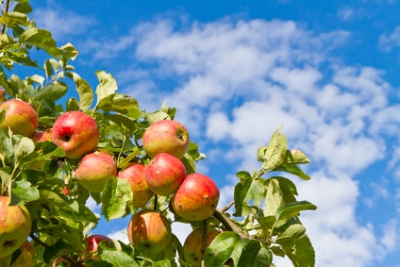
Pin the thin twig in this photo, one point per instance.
(229, 225)
(3, 27)
(204, 244)
(227, 207)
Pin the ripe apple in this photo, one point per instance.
(93, 242)
(164, 174)
(197, 198)
(134, 174)
(149, 232)
(95, 169)
(41, 136)
(194, 243)
(15, 226)
(25, 259)
(1, 95)
(166, 136)
(20, 117)
(75, 132)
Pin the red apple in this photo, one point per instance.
(149, 232)
(41, 136)
(20, 117)
(197, 198)
(93, 242)
(166, 136)
(95, 169)
(164, 174)
(194, 243)
(25, 259)
(75, 132)
(15, 226)
(134, 174)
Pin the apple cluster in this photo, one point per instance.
(193, 197)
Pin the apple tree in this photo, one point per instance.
(61, 143)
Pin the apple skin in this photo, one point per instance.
(2, 95)
(15, 226)
(20, 117)
(134, 174)
(95, 169)
(41, 136)
(166, 136)
(75, 132)
(194, 242)
(93, 242)
(149, 232)
(25, 259)
(197, 198)
(164, 174)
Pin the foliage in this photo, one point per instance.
(265, 221)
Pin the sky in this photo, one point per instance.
(327, 71)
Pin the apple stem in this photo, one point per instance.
(155, 201)
(204, 244)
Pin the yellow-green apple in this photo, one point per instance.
(166, 136)
(164, 174)
(25, 259)
(75, 132)
(149, 232)
(194, 243)
(15, 226)
(20, 117)
(95, 169)
(197, 198)
(134, 174)
(41, 136)
(94, 241)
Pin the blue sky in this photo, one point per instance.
(328, 71)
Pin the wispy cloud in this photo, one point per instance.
(388, 41)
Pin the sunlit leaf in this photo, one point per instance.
(247, 191)
(288, 211)
(116, 198)
(85, 92)
(107, 85)
(276, 151)
(220, 249)
(22, 191)
(52, 92)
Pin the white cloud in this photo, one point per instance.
(388, 42)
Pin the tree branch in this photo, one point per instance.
(229, 225)
(3, 27)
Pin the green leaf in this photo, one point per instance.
(288, 211)
(221, 249)
(276, 151)
(296, 157)
(116, 198)
(52, 92)
(41, 39)
(107, 86)
(13, 19)
(274, 198)
(72, 104)
(246, 191)
(122, 121)
(190, 164)
(162, 263)
(292, 232)
(6, 147)
(6, 181)
(23, 8)
(264, 258)
(118, 258)
(23, 148)
(170, 111)
(261, 153)
(22, 191)
(57, 250)
(287, 187)
(120, 103)
(84, 90)
(293, 169)
(243, 175)
(157, 116)
(249, 254)
(69, 51)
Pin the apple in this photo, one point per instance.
(20, 117)
(194, 244)
(75, 132)
(166, 136)
(93, 242)
(15, 226)
(197, 198)
(149, 232)
(134, 174)
(95, 169)
(164, 174)
(25, 259)
(41, 136)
